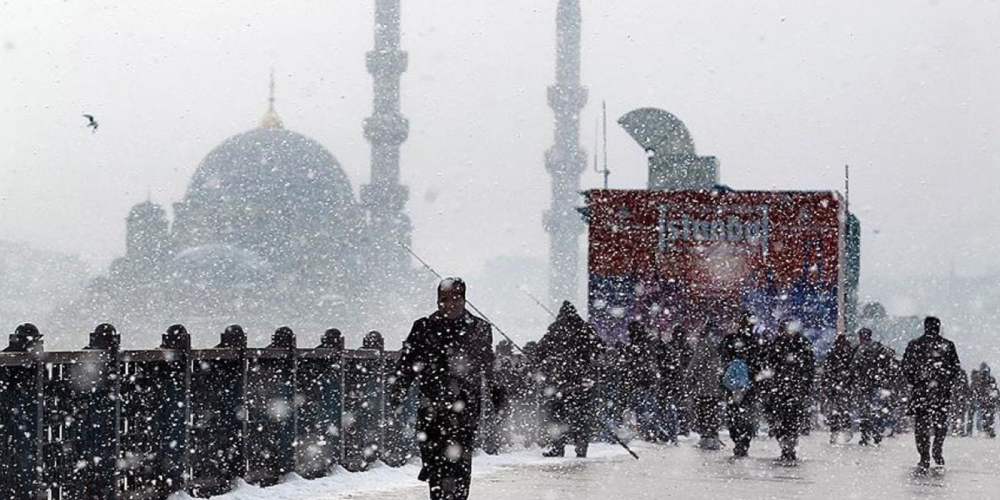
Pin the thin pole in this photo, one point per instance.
(539, 303)
(847, 188)
(597, 136)
(470, 304)
(604, 112)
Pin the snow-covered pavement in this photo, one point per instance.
(825, 472)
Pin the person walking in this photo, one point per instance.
(739, 353)
(984, 392)
(836, 386)
(871, 370)
(450, 355)
(703, 380)
(961, 397)
(568, 353)
(930, 365)
(636, 373)
(672, 364)
(793, 367)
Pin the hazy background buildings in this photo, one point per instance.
(783, 94)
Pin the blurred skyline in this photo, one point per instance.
(784, 94)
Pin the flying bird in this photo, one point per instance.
(91, 122)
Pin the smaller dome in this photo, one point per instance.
(219, 267)
(146, 210)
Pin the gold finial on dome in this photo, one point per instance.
(271, 118)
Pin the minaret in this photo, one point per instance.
(384, 198)
(565, 160)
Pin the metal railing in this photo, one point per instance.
(108, 424)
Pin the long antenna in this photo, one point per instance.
(597, 136)
(604, 112)
(847, 188)
(470, 304)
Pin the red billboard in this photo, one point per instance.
(687, 258)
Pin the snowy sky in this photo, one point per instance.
(783, 93)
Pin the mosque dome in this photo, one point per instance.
(269, 164)
(271, 191)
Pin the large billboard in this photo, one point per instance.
(690, 258)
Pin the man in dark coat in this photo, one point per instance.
(704, 376)
(636, 371)
(450, 355)
(793, 366)
(507, 383)
(741, 345)
(985, 395)
(871, 371)
(961, 397)
(930, 365)
(530, 411)
(567, 355)
(672, 363)
(836, 387)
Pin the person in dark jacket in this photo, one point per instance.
(930, 365)
(704, 377)
(672, 364)
(636, 373)
(532, 397)
(836, 386)
(568, 353)
(507, 383)
(741, 345)
(961, 398)
(450, 355)
(985, 395)
(871, 370)
(792, 364)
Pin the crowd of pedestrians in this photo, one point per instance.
(571, 387)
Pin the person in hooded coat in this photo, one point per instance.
(836, 386)
(450, 355)
(532, 398)
(507, 384)
(703, 380)
(672, 364)
(961, 397)
(984, 393)
(871, 370)
(930, 365)
(792, 363)
(740, 404)
(567, 354)
(636, 371)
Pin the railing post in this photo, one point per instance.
(218, 415)
(286, 437)
(21, 425)
(374, 341)
(99, 430)
(320, 389)
(271, 410)
(175, 411)
(363, 403)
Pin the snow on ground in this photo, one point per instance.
(381, 479)
(842, 472)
